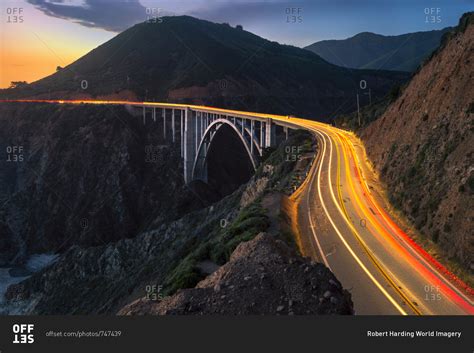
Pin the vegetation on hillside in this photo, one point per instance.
(226, 235)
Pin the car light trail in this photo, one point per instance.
(381, 228)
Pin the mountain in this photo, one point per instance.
(374, 51)
(423, 147)
(184, 59)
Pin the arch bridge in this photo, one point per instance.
(196, 127)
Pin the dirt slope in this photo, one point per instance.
(423, 146)
(263, 276)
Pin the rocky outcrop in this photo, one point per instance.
(83, 175)
(423, 146)
(101, 279)
(263, 276)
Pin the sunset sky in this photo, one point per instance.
(57, 32)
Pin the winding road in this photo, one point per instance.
(345, 222)
(344, 217)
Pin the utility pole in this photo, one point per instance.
(358, 109)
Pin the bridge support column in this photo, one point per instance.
(196, 134)
(252, 128)
(189, 144)
(285, 129)
(172, 124)
(144, 115)
(270, 134)
(181, 136)
(201, 121)
(164, 123)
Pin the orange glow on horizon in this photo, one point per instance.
(24, 57)
(32, 49)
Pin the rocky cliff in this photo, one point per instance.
(178, 254)
(83, 175)
(423, 146)
(263, 276)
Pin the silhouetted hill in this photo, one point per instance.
(184, 59)
(374, 51)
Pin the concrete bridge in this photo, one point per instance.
(197, 126)
(372, 257)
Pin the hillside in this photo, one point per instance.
(184, 59)
(374, 51)
(423, 147)
(83, 179)
(262, 277)
(176, 254)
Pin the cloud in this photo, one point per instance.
(113, 16)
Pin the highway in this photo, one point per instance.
(345, 223)
(352, 233)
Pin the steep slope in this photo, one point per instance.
(374, 51)
(262, 277)
(179, 254)
(84, 177)
(423, 146)
(184, 59)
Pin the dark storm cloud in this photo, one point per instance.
(113, 16)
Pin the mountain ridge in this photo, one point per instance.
(368, 50)
(187, 60)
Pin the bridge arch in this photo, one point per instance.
(199, 170)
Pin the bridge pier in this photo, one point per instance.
(252, 123)
(181, 136)
(270, 133)
(195, 122)
(164, 123)
(172, 124)
(201, 123)
(189, 144)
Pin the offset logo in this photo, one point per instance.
(23, 333)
